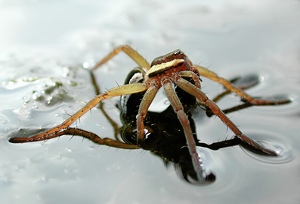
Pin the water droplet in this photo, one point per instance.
(86, 65)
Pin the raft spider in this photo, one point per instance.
(167, 71)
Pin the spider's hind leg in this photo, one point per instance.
(133, 54)
(232, 88)
(241, 82)
(244, 82)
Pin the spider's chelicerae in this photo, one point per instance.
(171, 71)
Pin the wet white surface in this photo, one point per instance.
(44, 45)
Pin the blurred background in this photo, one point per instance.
(46, 50)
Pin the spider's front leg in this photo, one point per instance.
(143, 109)
(56, 131)
(202, 176)
(193, 90)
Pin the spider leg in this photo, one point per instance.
(193, 90)
(230, 87)
(243, 83)
(90, 136)
(192, 75)
(133, 54)
(121, 90)
(231, 110)
(178, 108)
(101, 107)
(96, 139)
(143, 108)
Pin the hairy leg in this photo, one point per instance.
(134, 55)
(230, 87)
(193, 90)
(121, 90)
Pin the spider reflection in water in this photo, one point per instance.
(172, 133)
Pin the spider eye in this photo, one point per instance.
(177, 52)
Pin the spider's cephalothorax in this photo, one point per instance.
(180, 79)
(162, 68)
(169, 67)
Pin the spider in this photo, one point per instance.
(171, 71)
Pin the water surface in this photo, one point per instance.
(45, 48)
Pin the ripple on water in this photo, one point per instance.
(275, 142)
